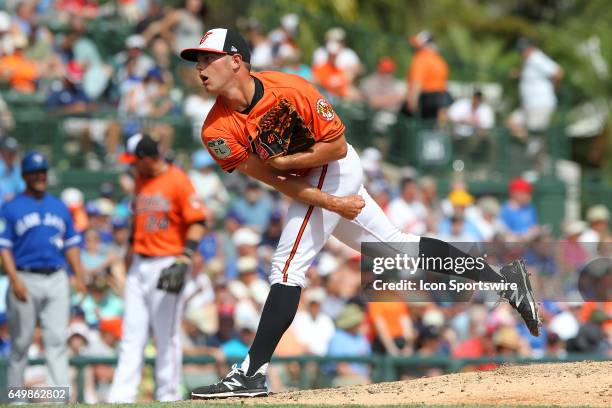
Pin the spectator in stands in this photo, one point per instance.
(487, 220)
(407, 212)
(6, 34)
(458, 226)
(571, 252)
(134, 50)
(427, 78)
(255, 206)
(96, 257)
(68, 97)
(101, 302)
(335, 81)
(471, 121)
(7, 122)
(17, 70)
(207, 183)
(86, 9)
(598, 218)
(391, 326)
(25, 16)
(182, 27)
(345, 58)
(313, 328)
(537, 81)
(518, 213)
(381, 90)
(11, 182)
(262, 54)
(349, 341)
(196, 107)
(290, 61)
(83, 50)
(285, 36)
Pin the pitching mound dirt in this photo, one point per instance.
(568, 384)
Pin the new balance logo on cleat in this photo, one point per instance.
(235, 384)
(521, 299)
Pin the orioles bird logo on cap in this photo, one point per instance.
(204, 37)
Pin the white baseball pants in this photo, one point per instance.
(146, 306)
(308, 228)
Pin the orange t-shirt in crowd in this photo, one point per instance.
(429, 68)
(333, 79)
(390, 312)
(229, 134)
(20, 72)
(164, 207)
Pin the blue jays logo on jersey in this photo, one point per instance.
(34, 220)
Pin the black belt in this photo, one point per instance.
(44, 271)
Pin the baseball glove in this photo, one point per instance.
(172, 278)
(281, 131)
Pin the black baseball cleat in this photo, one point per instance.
(235, 384)
(522, 298)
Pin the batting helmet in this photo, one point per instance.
(34, 161)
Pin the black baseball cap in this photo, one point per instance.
(137, 147)
(220, 41)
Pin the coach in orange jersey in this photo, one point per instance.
(167, 226)
(325, 179)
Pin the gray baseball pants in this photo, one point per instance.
(48, 304)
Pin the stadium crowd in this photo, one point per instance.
(144, 82)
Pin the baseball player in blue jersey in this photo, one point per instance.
(37, 237)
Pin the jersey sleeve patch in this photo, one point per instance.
(219, 148)
(325, 110)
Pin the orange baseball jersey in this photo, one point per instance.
(164, 206)
(228, 134)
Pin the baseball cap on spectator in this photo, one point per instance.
(201, 159)
(107, 189)
(235, 215)
(259, 290)
(433, 318)
(155, 73)
(315, 295)
(137, 147)
(135, 41)
(524, 43)
(245, 236)
(327, 264)
(120, 223)
(335, 34)
(74, 72)
(225, 41)
(460, 198)
(386, 65)
(276, 216)
(112, 326)
(489, 205)
(370, 160)
(247, 264)
(79, 329)
(92, 208)
(598, 213)
(105, 206)
(290, 22)
(421, 39)
(575, 227)
(349, 317)
(9, 144)
(5, 21)
(519, 184)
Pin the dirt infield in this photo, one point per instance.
(568, 384)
